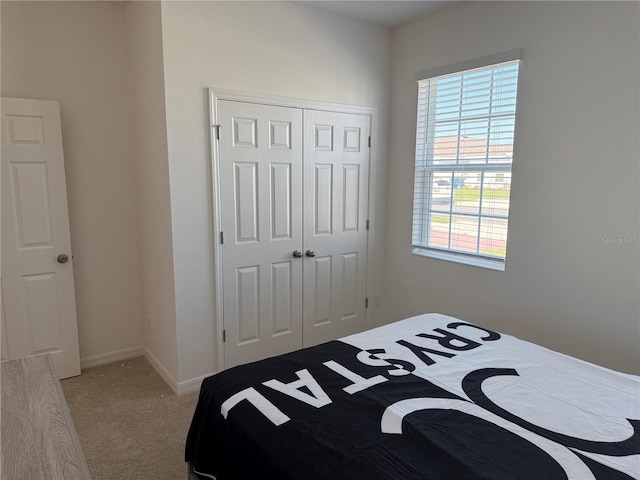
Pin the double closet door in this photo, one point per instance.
(293, 189)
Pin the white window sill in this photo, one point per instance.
(459, 258)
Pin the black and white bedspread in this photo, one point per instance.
(430, 397)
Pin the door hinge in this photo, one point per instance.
(221, 238)
(366, 303)
(217, 127)
(367, 224)
(369, 141)
(224, 336)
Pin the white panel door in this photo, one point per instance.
(336, 175)
(260, 167)
(39, 311)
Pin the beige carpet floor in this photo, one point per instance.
(130, 424)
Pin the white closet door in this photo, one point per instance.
(260, 151)
(38, 307)
(336, 175)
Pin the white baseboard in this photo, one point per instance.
(163, 372)
(192, 385)
(188, 386)
(103, 359)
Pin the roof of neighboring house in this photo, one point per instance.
(470, 147)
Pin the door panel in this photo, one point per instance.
(350, 206)
(248, 304)
(349, 280)
(261, 201)
(323, 199)
(246, 187)
(281, 201)
(281, 290)
(39, 313)
(336, 174)
(319, 304)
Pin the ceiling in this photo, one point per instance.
(386, 13)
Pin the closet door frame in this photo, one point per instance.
(216, 94)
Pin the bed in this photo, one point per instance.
(429, 397)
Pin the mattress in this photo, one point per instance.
(429, 397)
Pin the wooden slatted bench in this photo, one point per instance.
(38, 439)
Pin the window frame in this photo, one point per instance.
(421, 168)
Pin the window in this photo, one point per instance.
(464, 151)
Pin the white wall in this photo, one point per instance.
(74, 52)
(274, 48)
(146, 74)
(132, 80)
(575, 177)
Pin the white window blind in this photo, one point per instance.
(464, 152)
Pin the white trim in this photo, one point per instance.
(508, 56)
(217, 227)
(181, 388)
(188, 386)
(371, 215)
(192, 385)
(111, 357)
(250, 97)
(216, 94)
(163, 372)
(460, 258)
